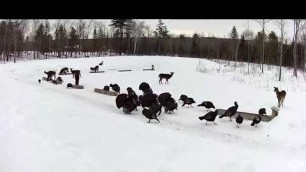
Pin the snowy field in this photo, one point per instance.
(48, 128)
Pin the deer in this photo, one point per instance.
(74, 72)
(95, 69)
(64, 70)
(50, 74)
(165, 76)
(280, 96)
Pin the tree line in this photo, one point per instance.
(65, 38)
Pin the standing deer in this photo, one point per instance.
(165, 76)
(280, 96)
(76, 74)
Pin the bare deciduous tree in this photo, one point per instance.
(35, 24)
(304, 61)
(298, 26)
(281, 25)
(263, 23)
(83, 31)
(4, 38)
(137, 31)
(248, 35)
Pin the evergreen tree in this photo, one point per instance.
(234, 34)
(243, 50)
(160, 32)
(272, 46)
(95, 37)
(60, 37)
(39, 36)
(46, 37)
(122, 26)
(100, 33)
(258, 46)
(195, 45)
(73, 40)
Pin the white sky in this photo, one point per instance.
(217, 28)
(212, 27)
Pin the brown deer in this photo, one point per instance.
(50, 74)
(94, 69)
(74, 72)
(165, 76)
(64, 71)
(280, 96)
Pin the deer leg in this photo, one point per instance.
(281, 102)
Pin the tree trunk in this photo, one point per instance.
(4, 40)
(248, 56)
(236, 52)
(304, 63)
(263, 51)
(121, 41)
(15, 44)
(80, 46)
(280, 61)
(295, 59)
(159, 51)
(135, 43)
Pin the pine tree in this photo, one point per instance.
(259, 39)
(272, 53)
(73, 40)
(95, 37)
(100, 33)
(234, 34)
(160, 32)
(195, 45)
(242, 49)
(122, 26)
(46, 39)
(39, 35)
(60, 37)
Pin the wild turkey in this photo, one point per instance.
(210, 116)
(120, 100)
(230, 111)
(207, 105)
(149, 114)
(163, 97)
(183, 97)
(239, 120)
(115, 87)
(189, 101)
(257, 118)
(170, 105)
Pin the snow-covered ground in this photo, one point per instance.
(46, 127)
